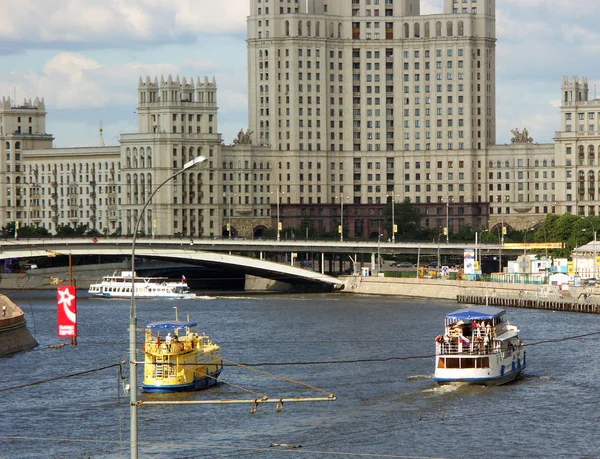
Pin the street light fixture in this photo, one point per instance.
(341, 198)
(477, 249)
(393, 216)
(438, 254)
(447, 229)
(525, 240)
(133, 403)
(278, 221)
(228, 197)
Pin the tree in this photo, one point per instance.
(407, 218)
(66, 230)
(23, 231)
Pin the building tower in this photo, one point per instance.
(22, 127)
(177, 121)
(577, 147)
(352, 87)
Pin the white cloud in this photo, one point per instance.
(90, 23)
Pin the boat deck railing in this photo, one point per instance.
(470, 350)
(181, 345)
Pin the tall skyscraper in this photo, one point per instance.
(377, 99)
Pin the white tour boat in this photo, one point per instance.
(479, 346)
(119, 286)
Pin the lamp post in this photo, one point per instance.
(393, 217)
(594, 270)
(342, 217)
(133, 403)
(378, 252)
(278, 221)
(525, 240)
(477, 249)
(447, 220)
(438, 254)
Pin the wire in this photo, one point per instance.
(57, 378)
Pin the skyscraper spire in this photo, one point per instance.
(100, 139)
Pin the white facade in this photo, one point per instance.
(354, 86)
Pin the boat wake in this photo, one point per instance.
(419, 377)
(442, 389)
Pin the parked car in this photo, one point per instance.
(403, 264)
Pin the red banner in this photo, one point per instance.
(66, 303)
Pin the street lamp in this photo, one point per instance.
(378, 252)
(447, 229)
(278, 221)
(477, 249)
(393, 217)
(341, 198)
(525, 241)
(438, 254)
(594, 270)
(133, 317)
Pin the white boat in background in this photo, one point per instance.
(479, 346)
(119, 286)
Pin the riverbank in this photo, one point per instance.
(14, 336)
(479, 292)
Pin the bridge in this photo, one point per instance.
(247, 256)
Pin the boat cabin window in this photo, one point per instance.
(457, 362)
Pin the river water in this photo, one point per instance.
(387, 404)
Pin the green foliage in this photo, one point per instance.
(66, 230)
(23, 231)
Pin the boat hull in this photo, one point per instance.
(486, 381)
(501, 371)
(196, 384)
(146, 297)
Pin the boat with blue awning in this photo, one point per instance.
(479, 346)
(178, 359)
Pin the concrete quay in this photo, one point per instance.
(534, 296)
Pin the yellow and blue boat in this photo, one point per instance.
(177, 359)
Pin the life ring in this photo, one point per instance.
(181, 347)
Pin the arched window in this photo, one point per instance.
(461, 29)
(490, 164)
(299, 28)
(537, 163)
(449, 29)
(318, 29)
(406, 31)
(149, 155)
(17, 145)
(498, 164)
(438, 29)
(287, 28)
(545, 163)
(308, 28)
(8, 145)
(339, 30)
(506, 164)
(417, 30)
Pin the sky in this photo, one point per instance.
(84, 57)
